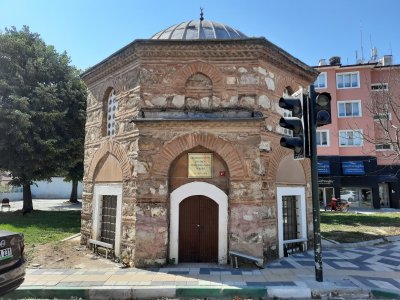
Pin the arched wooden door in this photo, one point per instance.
(198, 230)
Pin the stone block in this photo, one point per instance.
(247, 101)
(265, 146)
(205, 102)
(249, 79)
(159, 101)
(264, 102)
(270, 83)
(260, 70)
(230, 80)
(178, 101)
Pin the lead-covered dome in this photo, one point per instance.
(199, 30)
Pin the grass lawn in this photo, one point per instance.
(351, 227)
(41, 227)
(50, 226)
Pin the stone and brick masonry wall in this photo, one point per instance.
(160, 80)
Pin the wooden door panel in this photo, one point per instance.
(188, 230)
(208, 219)
(198, 230)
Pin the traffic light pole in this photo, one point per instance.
(314, 184)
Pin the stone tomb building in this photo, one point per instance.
(182, 154)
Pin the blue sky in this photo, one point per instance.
(91, 30)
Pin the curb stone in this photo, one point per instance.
(151, 292)
(47, 292)
(384, 294)
(343, 293)
(220, 292)
(137, 292)
(289, 293)
(129, 292)
(334, 244)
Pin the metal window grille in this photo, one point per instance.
(112, 109)
(108, 218)
(289, 218)
(290, 224)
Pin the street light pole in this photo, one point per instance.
(314, 183)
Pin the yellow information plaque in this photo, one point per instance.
(200, 165)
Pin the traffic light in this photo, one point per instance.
(322, 109)
(299, 140)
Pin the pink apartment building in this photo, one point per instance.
(355, 162)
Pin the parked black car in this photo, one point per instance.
(12, 261)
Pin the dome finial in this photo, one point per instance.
(201, 14)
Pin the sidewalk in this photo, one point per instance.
(348, 272)
(47, 204)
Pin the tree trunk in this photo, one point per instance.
(27, 199)
(74, 192)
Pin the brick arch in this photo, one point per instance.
(284, 82)
(117, 151)
(278, 154)
(225, 149)
(181, 76)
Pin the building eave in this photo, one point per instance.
(258, 47)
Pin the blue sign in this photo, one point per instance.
(353, 168)
(324, 167)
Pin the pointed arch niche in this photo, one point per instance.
(178, 172)
(290, 171)
(108, 169)
(110, 154)
(183, 76)
(226, 149)
(198, 86)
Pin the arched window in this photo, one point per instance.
(112, 106)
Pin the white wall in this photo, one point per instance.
(56, 189)
(15, 196)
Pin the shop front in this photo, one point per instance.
(358, 180)
(349, 178)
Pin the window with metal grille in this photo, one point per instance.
(108, 219)
(289, 218)
(290, 224)
(112, 109)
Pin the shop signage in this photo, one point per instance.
(353, 168)
(200, 165)
(324, 167)
(328, 182)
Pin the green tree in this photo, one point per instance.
(74, 132)
(39, 91)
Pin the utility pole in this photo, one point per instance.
(319, 105)
(314, 185)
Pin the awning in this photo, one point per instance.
(387, 178)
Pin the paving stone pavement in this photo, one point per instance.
(357, 271)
